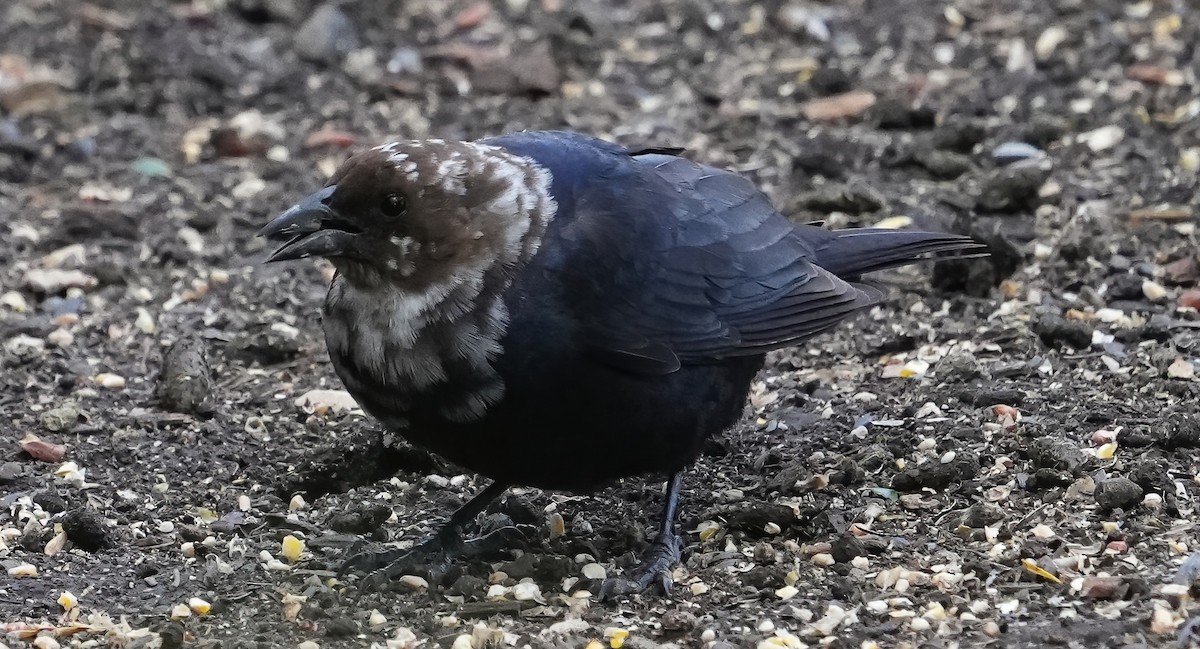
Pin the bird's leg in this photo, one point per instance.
(433, 555)
(659, 558)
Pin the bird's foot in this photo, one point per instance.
(430, 559)
(653, 570)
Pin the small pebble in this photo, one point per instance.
(60, 338)
(1181, 369)
(526, 591)
(327, 36)
(199, 606)
(67, 601)
(1048, 41)
(377, 619)
(1153, 290)
(1043, 532)
(15, 301)
(296, 503)
(413, 582)
(23, 570)
(1010, 152)
(45, 642)
(1103, 138)
(110, 381)
(1116, 493)
(823, 559)
(594, 571)
(1190, 298)
(557, 525)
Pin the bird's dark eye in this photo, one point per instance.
(393, 205)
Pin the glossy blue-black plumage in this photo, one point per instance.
(636, 329)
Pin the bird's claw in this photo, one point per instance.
(497, 540)
(654, 570)
(429, 559)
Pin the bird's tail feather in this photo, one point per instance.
(852, 252)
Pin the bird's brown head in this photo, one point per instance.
(420, 213)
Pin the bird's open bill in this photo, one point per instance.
(311, 229)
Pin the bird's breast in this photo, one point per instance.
(401, 358)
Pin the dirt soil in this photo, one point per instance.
(1005, 454)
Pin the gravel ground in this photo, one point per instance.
(1005, 454)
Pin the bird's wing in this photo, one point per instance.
(702, 268)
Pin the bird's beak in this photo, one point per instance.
(310, 228)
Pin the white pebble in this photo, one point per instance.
(708, 635)
(1102, 138)
(23, 570)
(414, 582)
(526, 591)
(594, 571)
(110, 381)
(1153, 290)
(145, 322)
(919, 624)
(823, 559)
(45, 642)
(60, 338)
(296, 503)
(14, 301)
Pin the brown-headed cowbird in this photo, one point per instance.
(552, 310)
